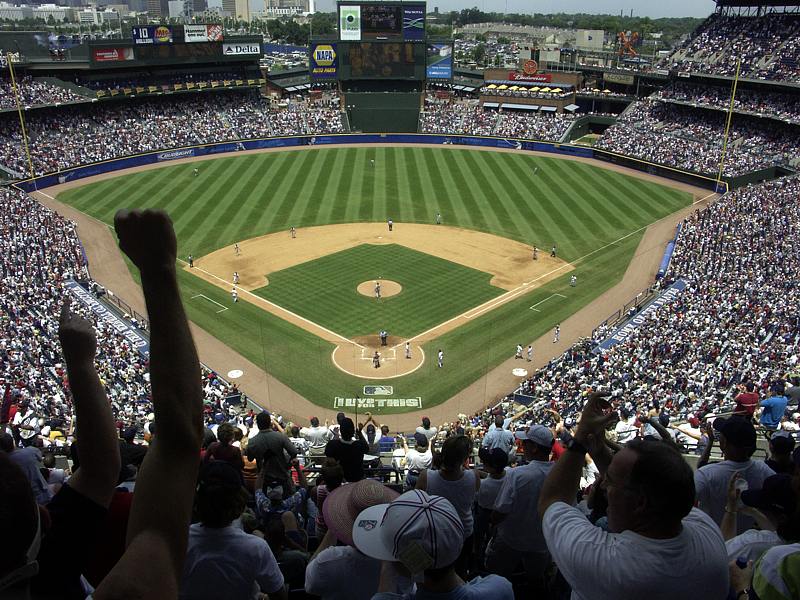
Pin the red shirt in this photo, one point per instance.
(558, 450)
(746, 403)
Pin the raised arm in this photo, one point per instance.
(161, 510)
(562, 482)
(98, 448)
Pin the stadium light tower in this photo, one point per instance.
(21, 118)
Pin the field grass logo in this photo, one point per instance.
(378, 390)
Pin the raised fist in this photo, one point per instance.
(77, 337)
(147, 237)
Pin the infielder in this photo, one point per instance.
(519, 351)
(557, 333)
(293, 231)
(535, 253)
(440, 357)
(377, 290)
(573, 281)
(408, 349)
(438, 219)
(390, 223)
(234, 295)
(191, 261)
(236, 250)
(236, 278)
(553, 251)
(530, 353)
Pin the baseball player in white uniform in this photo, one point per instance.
(557, 333)
(378, 290)
(408, 349)
(530, 353)
(234, 294)
(440, 358)
(236, 278)
(519, 351)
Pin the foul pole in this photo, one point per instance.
(15, 89)
(728, 123)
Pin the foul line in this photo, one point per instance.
(276, 306)
(210, 300)
(704, 198)
(545, 300)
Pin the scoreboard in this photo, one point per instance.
(391, 21)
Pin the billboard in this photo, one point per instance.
(324, 61)
(350, 23)
(414, 22)
(241, 49)
(152, 34)
(202, 33)
(618, 78)
(535, 78)
(439, 64)
(112, 54)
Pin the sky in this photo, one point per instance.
(642, 8)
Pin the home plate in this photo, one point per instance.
(519, 372)
(236, 373)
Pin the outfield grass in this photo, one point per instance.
(324, 290)
(578, 206)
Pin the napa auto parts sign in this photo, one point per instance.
(241, 49)
(112, 54)
(202, 33)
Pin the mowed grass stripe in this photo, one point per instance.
(319, 205)
(366, 207)
(282, 194)
(595, 206)
(390, 202)
(233, 219)
(444, 164)
(207, 217)
(355, 191)
(261, 197)
(469, 197)
(207, 189)
(492, 188)
(308, 196)
(630, 200)
(436, 192)
(588, 221)
(409, 191)
(339, 190)
(650, 204)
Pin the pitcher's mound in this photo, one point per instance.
(388, 288)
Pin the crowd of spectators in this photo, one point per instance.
(34, 92)
(692, 139)
(779, 106)
(77, 135)
(767, 46)
(39, 252)
(472, 119)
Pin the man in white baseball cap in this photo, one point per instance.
(425, 534)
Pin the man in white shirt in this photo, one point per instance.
(317, 436)
(499, 437)
(519, 535)
(626, 429)
(657, 546)
(737, 440)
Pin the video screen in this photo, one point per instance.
(381, 21)
(382, 60)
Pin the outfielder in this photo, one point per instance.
(195, 172)
(573, 281)
(440, 358)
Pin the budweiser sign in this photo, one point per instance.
(537, 78)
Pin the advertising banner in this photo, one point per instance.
(324, 61)
(121, 326)
(112, 54)
(618, 78)
(350, 23)
(175, 154)
(241, 49)
(414, 23)
(645, 314)
(202, 33)
(439, 61)
(537, 78)
(152, 34)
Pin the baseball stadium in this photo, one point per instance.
(471, 243)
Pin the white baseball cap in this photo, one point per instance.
(538, 434)
(421, 531)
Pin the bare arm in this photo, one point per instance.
(98, 448)
(422, 481)
(161, 510)
(703, 460)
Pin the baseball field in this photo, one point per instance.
(307, 312)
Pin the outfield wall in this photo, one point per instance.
(166, 156)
